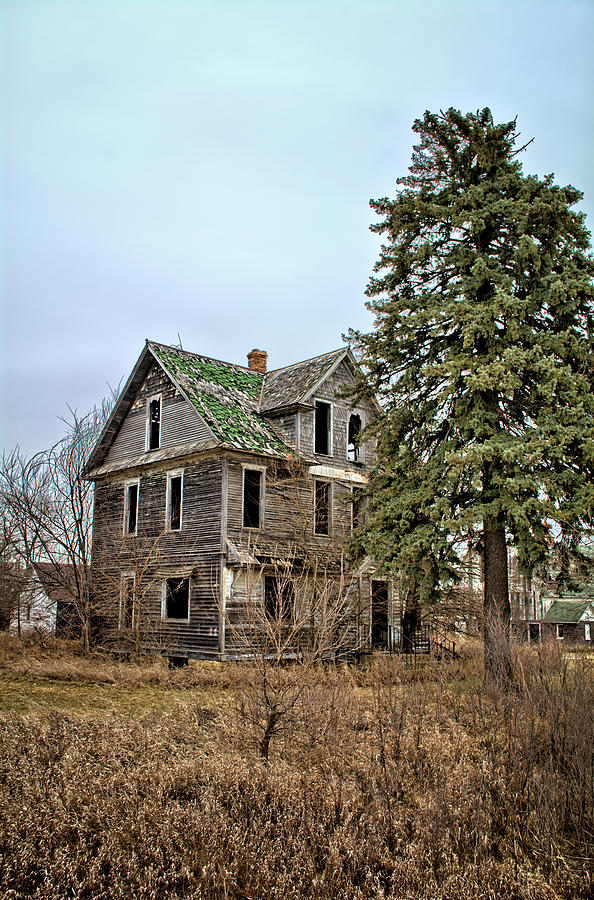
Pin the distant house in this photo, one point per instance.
(569, 620)
(47, 601)
(219, 488)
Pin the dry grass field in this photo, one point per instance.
(128, 780)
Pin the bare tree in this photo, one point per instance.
(50, 509)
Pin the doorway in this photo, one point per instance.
(380, 633)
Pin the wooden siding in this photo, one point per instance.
(180, 422)
(155, 554)
(341, 410)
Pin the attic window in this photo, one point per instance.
(322, 507)
(153, 424)
(323, 422)
(176, 601)
(131, 508)
(353, 449)
(252, 498)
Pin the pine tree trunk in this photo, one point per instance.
(497, 612)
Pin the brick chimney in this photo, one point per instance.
(258, 360)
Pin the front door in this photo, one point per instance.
(379, 616)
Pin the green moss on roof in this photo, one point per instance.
(212, 371)
(226, 396)
(567, 611)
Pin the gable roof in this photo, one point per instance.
(226, 396)
(296, 383)
(566, 612)
(232, 400)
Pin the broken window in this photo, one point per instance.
(279, 597)
(127, 601)
(322, 507)
(353, 449)
(153, 424)
(177, 599)
(322, 442)
(131, 508)
(252, 493)
(174, 501)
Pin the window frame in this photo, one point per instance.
(358, 456)
(247, 467)
(330, 432)
(175, 473)
(133, 482)
(126, 577)
(329, 507)
(166, 580)
(281, 591)
(560, 631)
(149, 401)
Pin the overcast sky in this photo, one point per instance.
(204, 168)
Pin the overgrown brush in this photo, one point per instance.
(410, 789)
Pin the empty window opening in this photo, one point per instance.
(357, 514)
(127, 601)
(560, 631)
(174, 502)
(177, 598)
(131, 508)
(322, 428)
(153, 430)
(353, 450)
(534, 632)
(322, 508)
(279, 597)
(252, 488)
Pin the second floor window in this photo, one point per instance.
(174, 501)
(131, 508)
(322, 507)
(153, 424)
(323, 428)
(252, 498)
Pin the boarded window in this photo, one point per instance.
(322, 428)
(153, 431)
(127, 603)
(174, 502)
(177, 598)
(322, 507)
(353, 437)
(279, 597)
(252, 488)
(131, 508)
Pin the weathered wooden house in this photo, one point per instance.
(223, 493)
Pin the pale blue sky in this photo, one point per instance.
(205, 167)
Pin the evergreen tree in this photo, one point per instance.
(482, 358)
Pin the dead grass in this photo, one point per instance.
(384, 783)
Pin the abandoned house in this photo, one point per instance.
(224, 496)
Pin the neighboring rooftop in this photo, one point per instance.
(567, 612)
